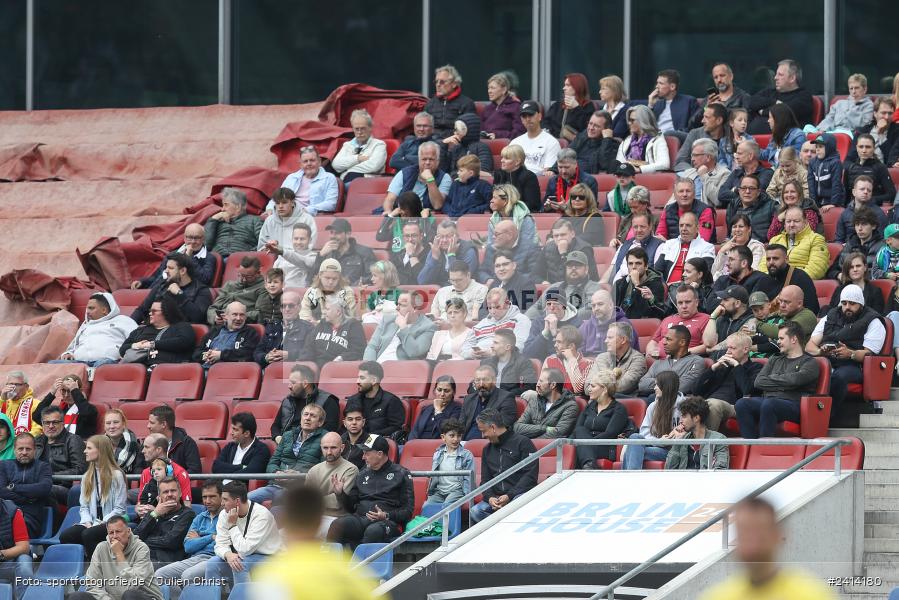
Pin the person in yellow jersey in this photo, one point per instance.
(758, 539)
(306, 570)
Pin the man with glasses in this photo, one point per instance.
(559, 186)
(63, 451)
(506, 276)
(192, 296)
(756, 204)
(19, 404)
(746, 159)
(316, 190)
(287, 339)
(409, 263)
(447, 249)
(506, 239)
(194, 246)
(707, 174)
(448, 103)
(362, 156)
(407, 154)
(461, 286)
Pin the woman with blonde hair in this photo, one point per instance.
(512, 170)
(124, 443)
(505, 203)
(604, 419)
(103, 495)
(789, 169)
(614, 98)
(329, 282)
(583, 215)
(794, 193)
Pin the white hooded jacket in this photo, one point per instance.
(101, 338)
(276, 228)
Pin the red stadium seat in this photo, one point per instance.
(542, 182)
(762, 139)
(462, 371)
(138, 414)
(886, 287)
(520, 406)
(209, 451)
(877, 372)
(200, 332)
(265, 259)
(547, 462)
(172, 382)
(894, 175)
(218, 270)
(659, 198)
(831, 218)
(229, 381)
(265, 413)
(392, 146)
(673, 148)
(366, 194)
(824, 289)
(260, 329)
(636, 409)
(817, 113)
(129, 300)
(836, 99)
(417, 454)
(852, 457)
(496, 147)
(78, 302)
(207, 420)
(663, 181)
(101, 417)
(407, 378)
(472, 224)
(604, 184)
(645, 329)
(276, 378)
(369, 329)
(603, 255)
(774, 457)
(409, 406)
(340, 377)
(479, 107)
(119, 383)
(834, 249)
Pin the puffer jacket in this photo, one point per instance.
(825, 175)
(446, 110)
(99, 339)
(558, 421)
(240, 235)
(808, 252)
(281, 229)
(471, 144)
(309, 455)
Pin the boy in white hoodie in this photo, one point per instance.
(104, 330)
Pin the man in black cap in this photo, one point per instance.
(540, 148)
(731, 315)
(576, 284)
(556, 313)
(382, 500)
(355, 260)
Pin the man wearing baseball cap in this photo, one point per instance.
(730, 316)
(355, 259)
(556, 314)
(845, 336)
(540, 148)
(381, 501)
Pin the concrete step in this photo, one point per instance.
(882, 490)
(880, 462)
(885, 571)
(894, 395)
(886, 449)
(880, 504)
(887, 516)
(884, 420)
(882, 476)
(882, 545)
(878, 530)
(873, 434)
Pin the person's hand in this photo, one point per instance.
(494, 503)
(143, 509)
(275, 356)
(220, 216)
(401, 321)
(826, 208)
(212, 356)
(841, 351)
(653, 96)
(570, 102)
(273, 247)
(562, 246)
(453, 245)
(361, 158)
(141, 345)
(551, 323)
(377, 514)
(192, 535)
(426, 174)
(635, 276)
(569, 354)
(174, 289)
(69, 384)
(135, 285)
(714, 98)
(329, 247)
(615, 243)
(435, 249)
(164, 507)
(336, 484)
(645, 292)
(654, 353)
(57, 385)
(263, 216)
(478, 352)
(426, 213)
(411, 249)
(117, 549)
(231, 517)
(234, 562)
(719, 310)
(491, 136)
(451, 140)
(395, 212)
(608, 133)
(702, 171)
(219, 319)
(882, 124)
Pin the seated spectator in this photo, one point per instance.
(689, 367)
(683, 201)
(569, 175)
(446, 249)
(783, 380)
(234, 341)
(552, 261)
(614, 99)
(443, 408)
(322, 478)
(408, 208)
(662, 416)
(61, 449)
(557, 313)
(246, 289)
(698, 276)
(401, 335)
(793, 196)
(568, 117)
(596, 145)
(501, 314)
(568, 359)
(808, 152)
(302, 390)
(277, 231)
(850, 113)
(521, 250)
(121, 567)
(884, 130)
(232, 229)
(784, 274)
(103, 496)
(862, 189)
(486, 395)
(243, 537)
(514, 372)
(385, 282)
(355, 432)
(737, 121)
(725, 92)
(149, 494)
(199, 543)
(505, 204)
(729, 317)
(316, 190)
(746, 162)
(182, 449)
(618, 200)
(506, 448)
(297, 261)
(671, 108)
(329, 284)
(166, 338)
(693, 414)
(423, 131)
(576, 284)
(425, 180)
(739, 272)
(464, 141)
(446, 344)
(713, 128)
(507, 276)
(847, 334)
(165, 528)
(194, 247)
(380, 503)
(641, 294)
(621, 358)
(461, 286)
(298, 451)
(27, 482)
(245, 453)
(540, 147)
(551, 410)
(673, 255)
(384, 413)
(469, 193)
(287, 340)
(645, 147)
(886, 262)
(500, 116)
(855, 271)
(125, 445)
(825, 174)
(448, 102)
(787, 90)
(191, 296)
(790, 307)
(337, 337)
(761, 307)
(362, 156)
(98, 338)
(450, 456)
(584, 218)
(789, 169)
(807, 249)
(640, 226)
(707, 173)
(512, 171)
(604, 419)
(786, 132)
(355, 259)
(268, 305)
(410, 263)
(730, 378)
(80, 416)
(603, 312)
(866, 164)
(755, 204)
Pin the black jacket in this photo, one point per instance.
(242, 350)
(294, 336)
(595, 155)
(729, 383)
(352, 452)
(194, 300)
(204, 270)
(756, 281)
(521, 290)
(551, 264)
(65, 455)
(801, 279)
(175, 345)
(288, 416)
(185, 452)
(577, 117)
(427, 426)
(800, 100)
(884, 189)
(86, 425)
(254, 460)
(408, 272)
(390, 488)
(347, 341)
(30, 490)
(445, 113)
(165, 535)
(729, 194)
(355, 263)
(499, 399)
(511, 449)
(384, 414)
(631, 300)
(525, 182)
(518, 375)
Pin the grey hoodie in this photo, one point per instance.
(101, 338)
(112, 579)
(277, 228)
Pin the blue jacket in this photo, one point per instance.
(825, 175)
(682, 108)
(464, 462)
(436, 271)
(469, 198)
(795, 137)
(204, 524)
(407, 154)
(427, 426)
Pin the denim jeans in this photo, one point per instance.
(269, 492)
(218, 568)
(758, 417)
(480, 511)
(20, 568)
(635, 455)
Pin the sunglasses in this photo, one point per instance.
(578, 197)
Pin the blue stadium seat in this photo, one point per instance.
(240, 591)
(70, 519)
(5, 591)
(455, 522)
(382, 567)
(47, 531)
(61, 561)
(43, 591)
(894, 595)
(200, 592)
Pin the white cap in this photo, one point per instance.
(852, 293)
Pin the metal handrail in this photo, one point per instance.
(268, 476)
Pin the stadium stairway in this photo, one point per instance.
(880, 433)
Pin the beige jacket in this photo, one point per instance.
(632, 366)
(319, 477)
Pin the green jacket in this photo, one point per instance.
(236, 291)
(240, 235)
(805, 318)
(6, 452)
(310, 453)
(679, 456)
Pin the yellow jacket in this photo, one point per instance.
(808, 252)
(11, 407)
